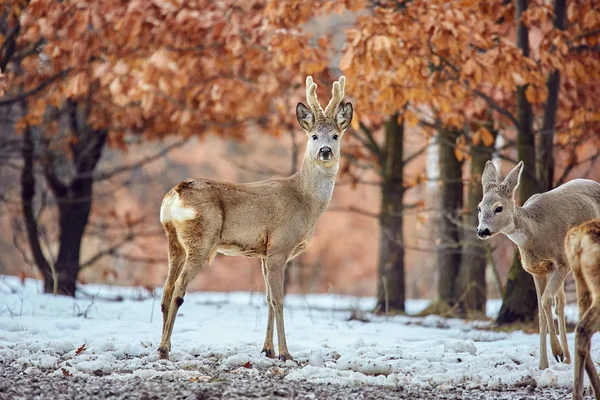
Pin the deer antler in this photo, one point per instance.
(311, 96)
(337, 95)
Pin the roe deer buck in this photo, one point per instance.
(538, 229)
(272, 220)
(582, 246)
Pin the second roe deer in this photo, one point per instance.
(538, 229)
(582, 246)
(272, 220)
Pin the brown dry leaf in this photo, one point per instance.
(411, 119)
(459, 150)
(355, 123)
(65, 372)
(476, 138)
(486, 136)
(80, 350)
(531, 94)
(459, 154)
(518, 79)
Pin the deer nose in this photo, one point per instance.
(325, 150)
(483, 232)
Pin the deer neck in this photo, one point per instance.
(316, 183)
(522, 229)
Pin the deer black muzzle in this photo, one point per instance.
(325, 153)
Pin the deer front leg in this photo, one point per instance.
(275, 276)
(560, 302)
(555, 282)
(540, 286)
(268, 347)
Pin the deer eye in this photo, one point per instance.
(335, 137)
(314, 137)
(498, 209)
(478, 209)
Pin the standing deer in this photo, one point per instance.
(538, 229)
(273, 220)
(582, 246)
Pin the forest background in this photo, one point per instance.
(105, 105)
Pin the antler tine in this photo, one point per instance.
(311, 96)
(337, 95)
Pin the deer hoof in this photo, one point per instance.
(163, 353)
(285, 356)
(559, 356)
(268, 353)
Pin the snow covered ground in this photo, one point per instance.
(41, 333)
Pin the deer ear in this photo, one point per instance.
(511, 182)
(343, 115)
(489, 178)
(305, 116)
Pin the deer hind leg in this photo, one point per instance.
(556, 280)
(268, 347)
(176, 259)
(584, 331)
(560, 301)
(584, 301)
(198, 244)
(591, 320)
(275, 277)
(540, 286)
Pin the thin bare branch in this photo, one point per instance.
(130, 167)
(36, 90)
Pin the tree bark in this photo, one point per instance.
(448, 252)
(471, 277)
(545, 162)
(520, 300)
(28, 184)
(391, 284)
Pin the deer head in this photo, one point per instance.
(497, 208)
(324, 129)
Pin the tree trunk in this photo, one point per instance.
(545, 164)
(391, 285)
(28, 185)
(73, 218)
(471, 278)
(520, 300)
(448, 252)
(74, 198)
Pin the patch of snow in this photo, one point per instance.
(316, 360)
(121, 330)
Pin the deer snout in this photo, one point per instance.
(325, 153)
(483, 233)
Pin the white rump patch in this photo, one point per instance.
(172, 210)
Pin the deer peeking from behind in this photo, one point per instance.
(582, 246)
(272, 220)
(538, 229)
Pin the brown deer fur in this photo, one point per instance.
(272, 220)
(582, 246)
(538, 229)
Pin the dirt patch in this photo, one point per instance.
(238, 384)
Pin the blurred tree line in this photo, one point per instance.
(510, 80)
